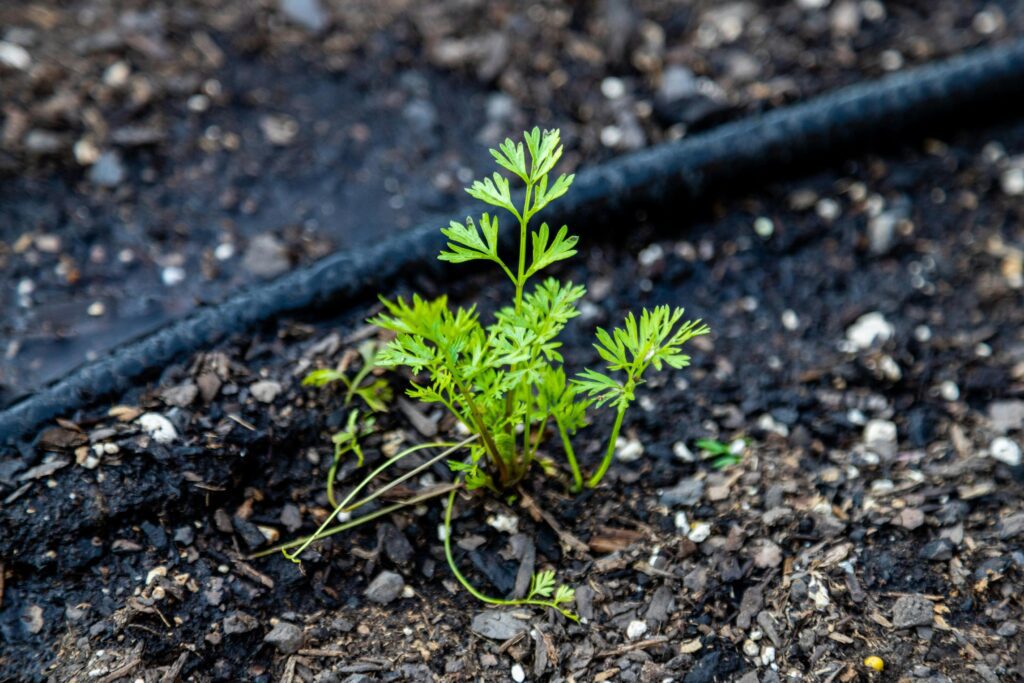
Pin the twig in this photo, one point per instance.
(318, 652)
(121, 671)
(289, 671)
(639, 645)
(171, 675)
(567, 539)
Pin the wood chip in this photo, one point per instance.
(172, 673)
(44, 470)
(610, 539)
(121, 671)
(124, 413)
(688, 647)
(568, 540)
(250, 573)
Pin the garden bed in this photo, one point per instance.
(833, 540)
(240, 140)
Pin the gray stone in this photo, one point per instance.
(1006, 415)
(661, 606)
(286, 637)
(1012, 526)
(108, 171)
(265, 391)
(497, 624)
(687, 492)
(912, 610)
(181, 395)
(385, 588)
(238, 622)
(266, 257)
(308, 14)
(677, 82)
(939, 550)
(777, 515)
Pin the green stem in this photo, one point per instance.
(370, 516)
(294, 557)
(523, 223)
(610, 453)
(331, 474)
(570, 454)
(469, 587)
(482, 430)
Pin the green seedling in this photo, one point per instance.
(375, 393)
(721, 455)
(505, 380)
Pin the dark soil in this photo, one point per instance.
(162, 154)
(833, 540)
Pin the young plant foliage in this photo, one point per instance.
(504, 379)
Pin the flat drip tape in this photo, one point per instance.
(932, 99)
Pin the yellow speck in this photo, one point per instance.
(875, 663)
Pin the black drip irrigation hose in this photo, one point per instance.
(926, 100)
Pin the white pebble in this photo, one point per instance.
(14, 56)
(172, 275)
(506, 523)
(518, 674)
(881, 437)
(158, 427)
(683, 452)
(949, 391)
(790, 320)
(1005, 451)
(770, 424)
(827, 209)
(1012, 182)
(613, 88)
(869, 329)
(764, 227)
(682, 522)
(650, 255)
(224, 251)
(628, 450)
(699, 532)
(636, 629)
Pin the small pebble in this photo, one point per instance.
(699, 532)
(1012, 182)
(636, 629)
(159, 428)
(172, 275)
(869, 329)
(518, 674)
(628, 450)
(1006, 451)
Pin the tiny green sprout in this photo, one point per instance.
(375, 393)
(721, 455)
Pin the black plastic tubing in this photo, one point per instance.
(759, 149)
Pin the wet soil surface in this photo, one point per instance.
(158, 155)
(867, 355)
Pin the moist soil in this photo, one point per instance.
(866, 353)
(155, 156)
